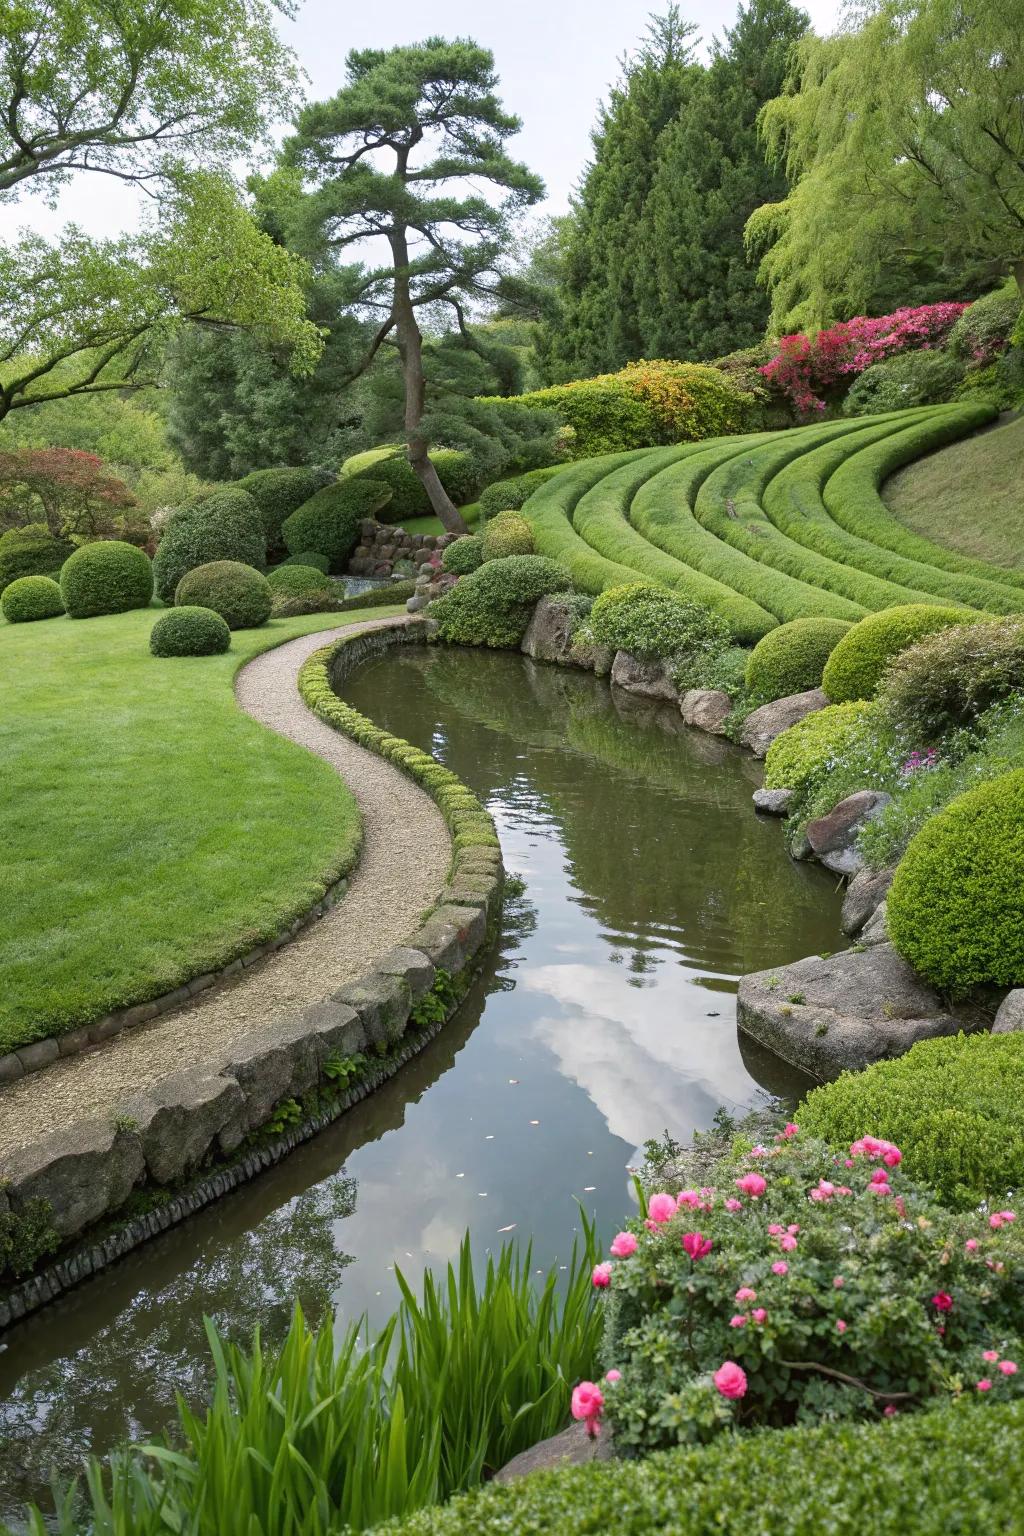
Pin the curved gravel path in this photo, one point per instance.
(404, 863)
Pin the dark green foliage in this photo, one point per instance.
(26, 1236)
(492, 605)
(649, 622)
(301, 589)
(307, 557)
(31, 597)
(909, 379)
(956, 907)
(949, 678)
(954, 1107)
(857, 664)
(278, 492)
(510, 495)
(242, 596)
(920, 1469)
(984, 330)
(389, 466)
(189, 632)
(329, 521)
(466, 555)
(31, 551)
(791, 659)
(224, 526)
(506, 535)
(106, 577)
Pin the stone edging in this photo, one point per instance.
(88, 1171)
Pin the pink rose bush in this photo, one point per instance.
(883, 1302)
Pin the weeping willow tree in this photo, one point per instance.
(903, 142)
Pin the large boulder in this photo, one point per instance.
(865, 892)
(1010, 1017)
(549, 638)
(83, 1171)
(761, 726)
(772, 802)
(181, 1117)
(833, 838)
(650, 679)
(706, 709)
(571, 1448)
(839, 1013)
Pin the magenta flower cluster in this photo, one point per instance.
(918, 761)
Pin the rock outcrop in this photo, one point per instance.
(761, 726)
(833, 838)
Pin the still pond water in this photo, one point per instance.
(606, 1014)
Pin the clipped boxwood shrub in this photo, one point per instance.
(801, 757)
(911, 379)
(507, 535)
(308, 557)
(31, 551)
(650, 622)
(854, 669)
(31, 597)
(457, 472)
(956, 905)
(106, 577)
(465, 555)
(329, 521)
(951, 677)
(954, 1107)
(510, 495)
(300, 589)
(189, 632)
(279, 492)
(241, 595)
(791, 659)
(224, 526)
(492, 606)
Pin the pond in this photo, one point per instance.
(605, 1015)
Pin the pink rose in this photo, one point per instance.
(880, 1176)
(780, 1267)
(1008, 1367)
(661, 1208)
(838, 1282)
(1001, 1219)
(991, 1355)
(775, 1230)
(733, 1205)
(696, 1245)
(730, 1379)
(889, 1410)
(623, 1245)
(790, 1130)
(971, 1245)
(942, 1301)
(687, 1197)
(746, 1294)
(759, 1314)
(840, 1326)
(587, 1403)
(984, 1385)
(738, 1321)
(752, 1184)
(601, 1276)
(613, 1376)
(787, 1243)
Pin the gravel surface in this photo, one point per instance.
(405, 859)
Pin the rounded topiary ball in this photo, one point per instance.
(241, 595)
(106, 577)
(305, 557)
(791, 659)
(956, 905)
(507, 534)
(854, 669)
(31, 597)
(189, 632)
(465, 555)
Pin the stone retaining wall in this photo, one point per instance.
(385, 549)
(188, 1124)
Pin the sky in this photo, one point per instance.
(556, 59)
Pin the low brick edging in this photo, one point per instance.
(169, 1134)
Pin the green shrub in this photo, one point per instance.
(722, 667)
(456, 471)
(954, 1107)
(985, 328)
(791, 659)
(492, 605)
(927, 1472)
(279, 492)
(301, 589)
(467, 554)
(507, 535)
(329, 521)
(909, 379)
(801, 757)
(31, 551)
(31, 597)
(1001, 384)
(307, 557)
(951, 677)
(107, 577)
(511, 495)
(242, 596)
(224, 526)
(956, 905)
(380, 597)
(856, 666)
(189, 632)
(650, 623)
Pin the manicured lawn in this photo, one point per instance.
(152, 831)
(435, 526)
(969, 496)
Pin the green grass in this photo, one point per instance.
(152, 831)
(434, 525)
(981, 478)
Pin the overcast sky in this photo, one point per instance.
(556, 59)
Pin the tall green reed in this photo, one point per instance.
(317, 1438)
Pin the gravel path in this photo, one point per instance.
(405, 858)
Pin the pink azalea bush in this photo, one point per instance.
(823, 1287)
(807, 369)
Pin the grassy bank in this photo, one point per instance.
(152, 830)
(968, 496)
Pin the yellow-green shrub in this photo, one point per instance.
(854, 669)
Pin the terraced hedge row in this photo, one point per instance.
(770, 527)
